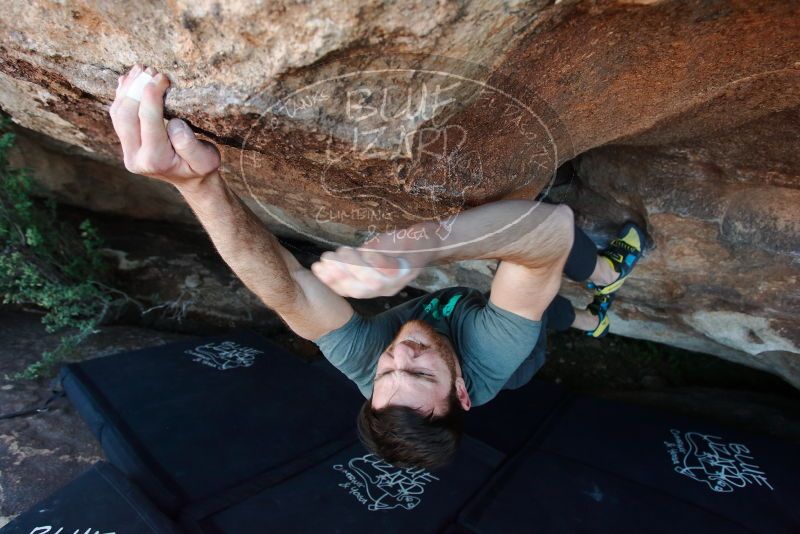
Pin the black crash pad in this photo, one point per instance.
(218, 424)
(188, 420)
(233, 431)
(100, 501)
(545, 492)
(353, 491)
(603, 466)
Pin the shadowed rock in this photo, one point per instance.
(680, 116)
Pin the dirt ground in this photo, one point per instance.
(42, 452)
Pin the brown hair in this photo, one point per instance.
(406, 438)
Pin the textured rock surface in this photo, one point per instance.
(682, 116)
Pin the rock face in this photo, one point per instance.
(342, 118)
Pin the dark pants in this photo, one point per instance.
(579, 267)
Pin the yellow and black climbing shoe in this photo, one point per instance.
(622, 254)
(599, 308)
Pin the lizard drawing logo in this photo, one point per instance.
(224, 355)
(381, 486)
(723, 467)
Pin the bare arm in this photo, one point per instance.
(271, 272)
(531, 239)
(174, 155)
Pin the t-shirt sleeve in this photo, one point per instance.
(354, 348)
(493, 343)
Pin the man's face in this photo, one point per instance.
(418, 369)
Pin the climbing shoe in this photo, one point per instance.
(622, 254)
(599, 308)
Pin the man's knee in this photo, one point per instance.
(561, 233)
(566, 220)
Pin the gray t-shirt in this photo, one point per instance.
(497, 348)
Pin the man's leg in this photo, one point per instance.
(561, 316)
(585, 263)
(603, 270)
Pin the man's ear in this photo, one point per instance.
(461, 393)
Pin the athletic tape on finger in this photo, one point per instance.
(137, 87)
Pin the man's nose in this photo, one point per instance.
(405, 351)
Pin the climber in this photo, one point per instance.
(424, 363)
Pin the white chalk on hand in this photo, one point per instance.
(405, 268)
(137, 87)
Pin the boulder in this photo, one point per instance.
(343, 118)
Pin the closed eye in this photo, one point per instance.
(416, 373)
(424, 375)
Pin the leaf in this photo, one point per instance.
(47, 263)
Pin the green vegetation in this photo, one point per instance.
(48, 263)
